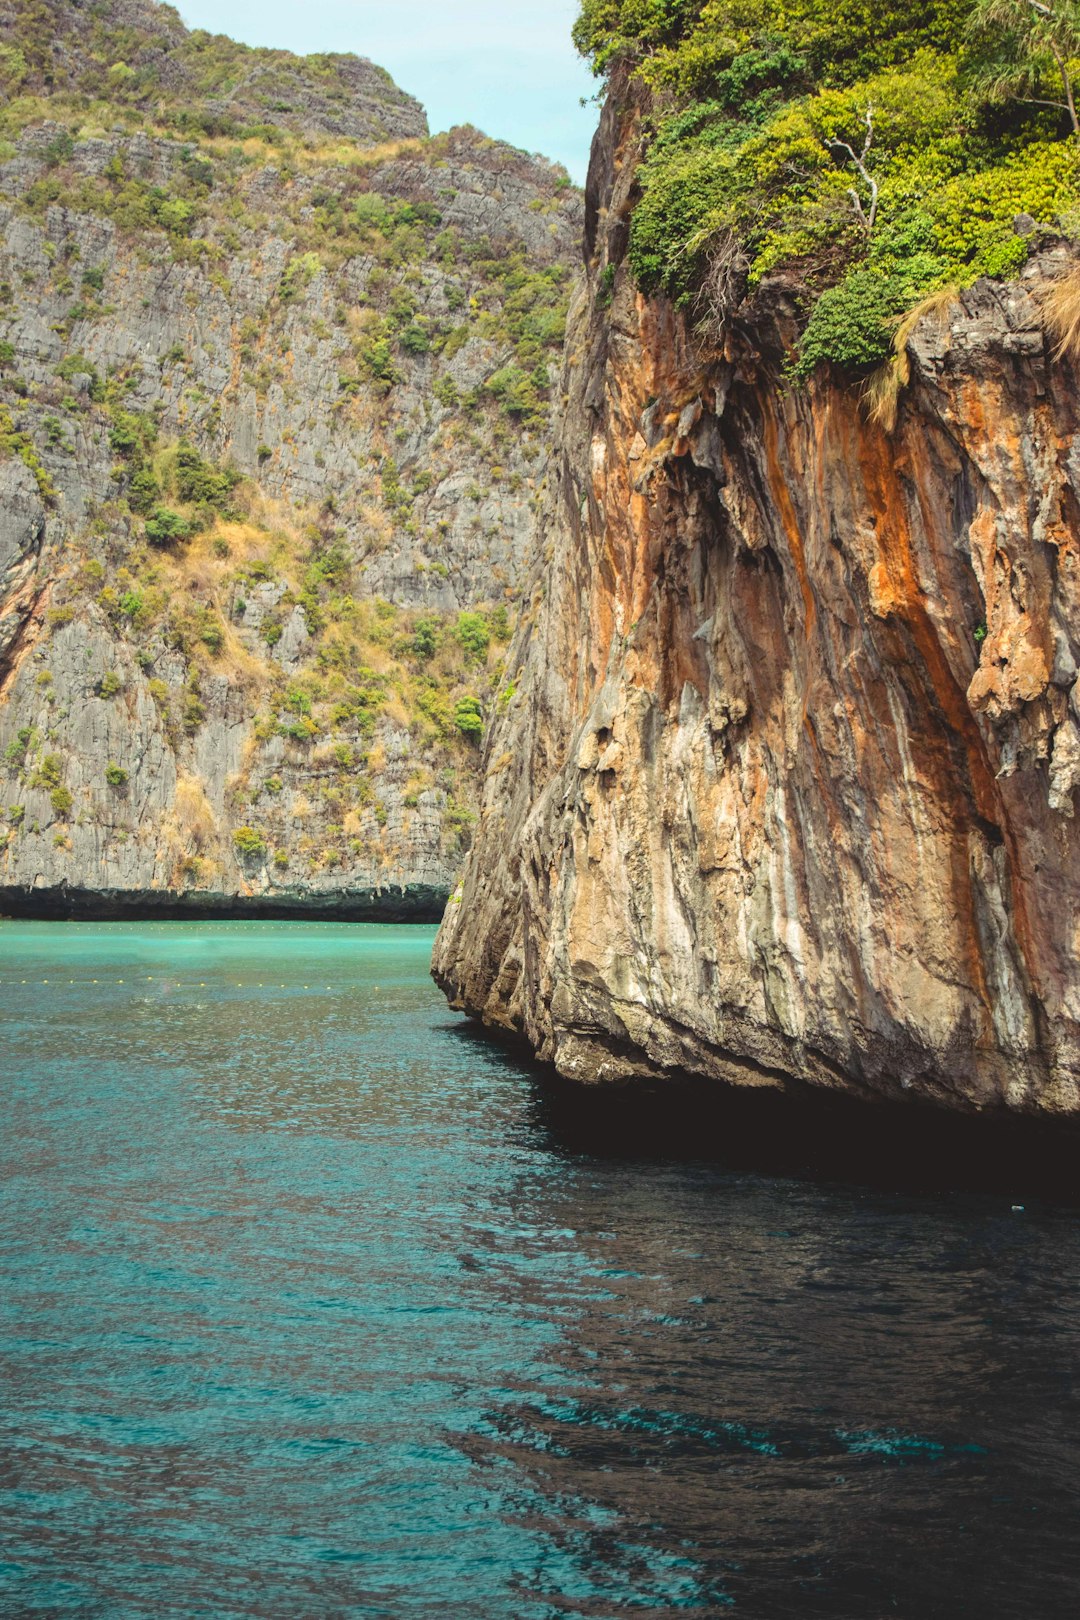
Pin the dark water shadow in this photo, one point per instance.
(800, 1132)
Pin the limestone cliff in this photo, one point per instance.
(786, 790)
(274, 380)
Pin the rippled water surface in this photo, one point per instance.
(311, 1307)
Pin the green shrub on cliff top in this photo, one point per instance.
(879, 152)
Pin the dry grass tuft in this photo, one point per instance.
(1060, 307)
(348, 154)
(881, 395)
(937, 303)
(193, 812)
(190, 830)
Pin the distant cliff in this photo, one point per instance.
(787, 787)
(275, 377)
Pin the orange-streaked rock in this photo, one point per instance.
(796, 730)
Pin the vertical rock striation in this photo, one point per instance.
(786, 788)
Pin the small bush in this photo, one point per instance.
(127, 435)
(851, 323)
(109, 684)
(61, 801)
(211, 631)
(144, 492)
(194, 712)
(166, 527)
(115, 775)
(469, 717)
(474, 635)
(48, 772)
(201, 482)
(249, 844)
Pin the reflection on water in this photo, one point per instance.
(316, 1305)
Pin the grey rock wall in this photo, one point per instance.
(130, 758)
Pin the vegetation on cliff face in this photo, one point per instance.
(882, 152)
(275, 368)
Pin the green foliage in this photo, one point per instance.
(76, 365)
(299, 273)
(850, 323)
(115, 775)
(166, 527)
(425, 638)
(59, 149)
(211, 631)
(130, 435)
(520, 393)
(109, 684)
(7, 355)
(49, 771)
(144, 491)
(16, 750)
(15, 442)
(1029, 52)
(473, 633)
(469, 717)
(415, 339)
(61, 800)
(250, 845)
(55, 437)
(202, 483)
(446, 392)
(194, 711)
(849, 143)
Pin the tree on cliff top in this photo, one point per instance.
(1029, 50)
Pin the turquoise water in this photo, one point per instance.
(314, 1306)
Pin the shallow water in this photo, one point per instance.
(311, 1309)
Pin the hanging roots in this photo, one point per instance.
(723, 285)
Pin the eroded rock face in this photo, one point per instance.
(22, 527)
(787, 789)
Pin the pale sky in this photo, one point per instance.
(506, 66)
